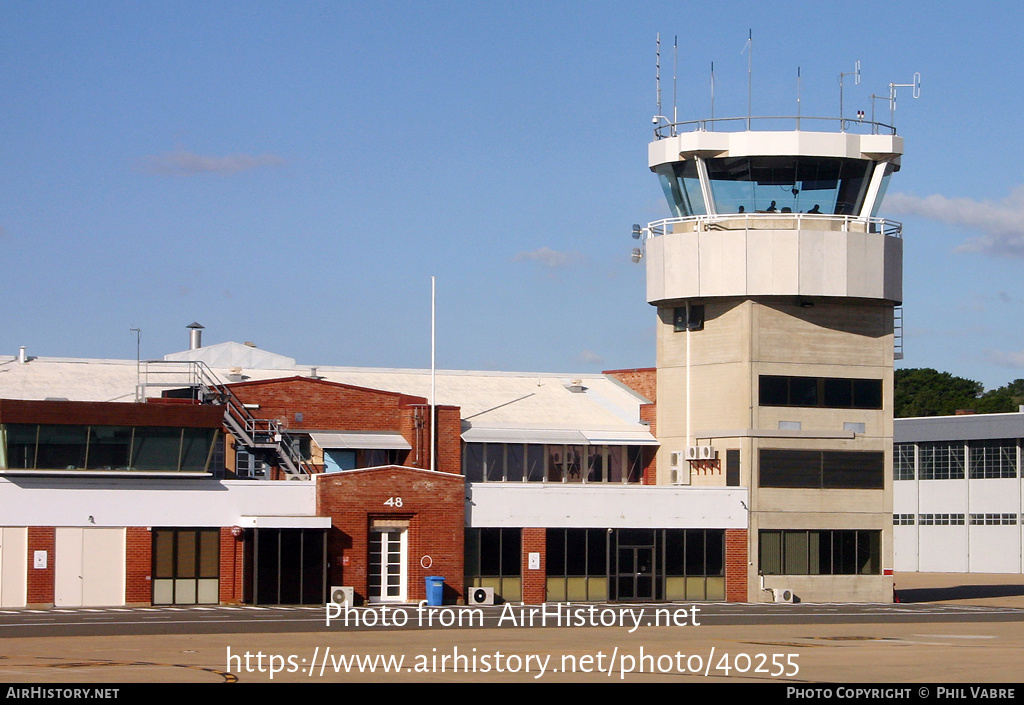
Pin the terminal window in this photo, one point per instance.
(820, 552)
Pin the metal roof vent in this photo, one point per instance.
(195, 336)
(576, 386)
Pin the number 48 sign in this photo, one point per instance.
(393, 502)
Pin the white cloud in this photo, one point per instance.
(547, 257)
(184, 163)
(589, 357)
(1002, 221)
(1005, 359)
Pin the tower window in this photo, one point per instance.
(688, 318)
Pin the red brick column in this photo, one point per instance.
(649, 414)
(40, 581)
(232, 550)
(736, 565)
(138, 566)
(535, 588)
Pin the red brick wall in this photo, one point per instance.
(736, 565)
(324, 405)
(138, 565)
(535, 588)
(40, 582)
(432, 502)
(648, 414)
(329, 406)
(642, 380)
(231, 565)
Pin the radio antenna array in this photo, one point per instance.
(916, 85)
(856, 81)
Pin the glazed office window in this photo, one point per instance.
(561, 463)
(993, 520)
(688, 318)
(903, 461)
(820, 552)
(940, 461)
(72, 447)
(820, 392)
(822, 469)
(903, 519)
(186, 566)
(941, 519)
(993, 459)
(493, 559)
(576, 563)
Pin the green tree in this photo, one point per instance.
(927, 392)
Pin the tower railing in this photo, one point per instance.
(786, 123)
(772, 221)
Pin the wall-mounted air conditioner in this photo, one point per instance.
(481, 596)
(701, 453)
(680, 473)
(342, 595)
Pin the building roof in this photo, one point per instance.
(593, 404)
(963, 427)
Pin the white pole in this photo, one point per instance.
(433, 407)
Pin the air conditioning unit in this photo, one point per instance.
(782, 594)
(700, 453)
(680, 475)
(342, 595)
(481, 596)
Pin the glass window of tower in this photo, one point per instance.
(826, 185)
(682, 188)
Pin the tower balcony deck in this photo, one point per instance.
(773, 221)
(772, 255)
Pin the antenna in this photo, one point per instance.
(856, 81)
(874, 125)
(675, 66)
(657, 68)
(797, 97)
(916, 85)
(750, 70)
(712, 95)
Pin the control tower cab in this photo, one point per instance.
(776, 284)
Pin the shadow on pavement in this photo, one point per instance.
(959, 592)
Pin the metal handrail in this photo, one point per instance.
(745, 124)
(704, 223)
(248, 430)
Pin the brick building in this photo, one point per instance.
(542, 486)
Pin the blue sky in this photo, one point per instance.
(292, 173)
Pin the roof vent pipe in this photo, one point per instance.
(195, 336)
(22, 355)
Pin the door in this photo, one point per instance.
(387, 575)
(636, 571)
(88, 567)
(13, 578)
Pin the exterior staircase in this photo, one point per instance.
(264, 438)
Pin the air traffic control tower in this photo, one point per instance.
(776, 285)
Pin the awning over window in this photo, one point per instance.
(360, 440)
(556, 436)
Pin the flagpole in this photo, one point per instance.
(433, 389)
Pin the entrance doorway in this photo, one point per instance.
(387, 578)
(635, 565)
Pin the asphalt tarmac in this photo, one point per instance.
(948, 629)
